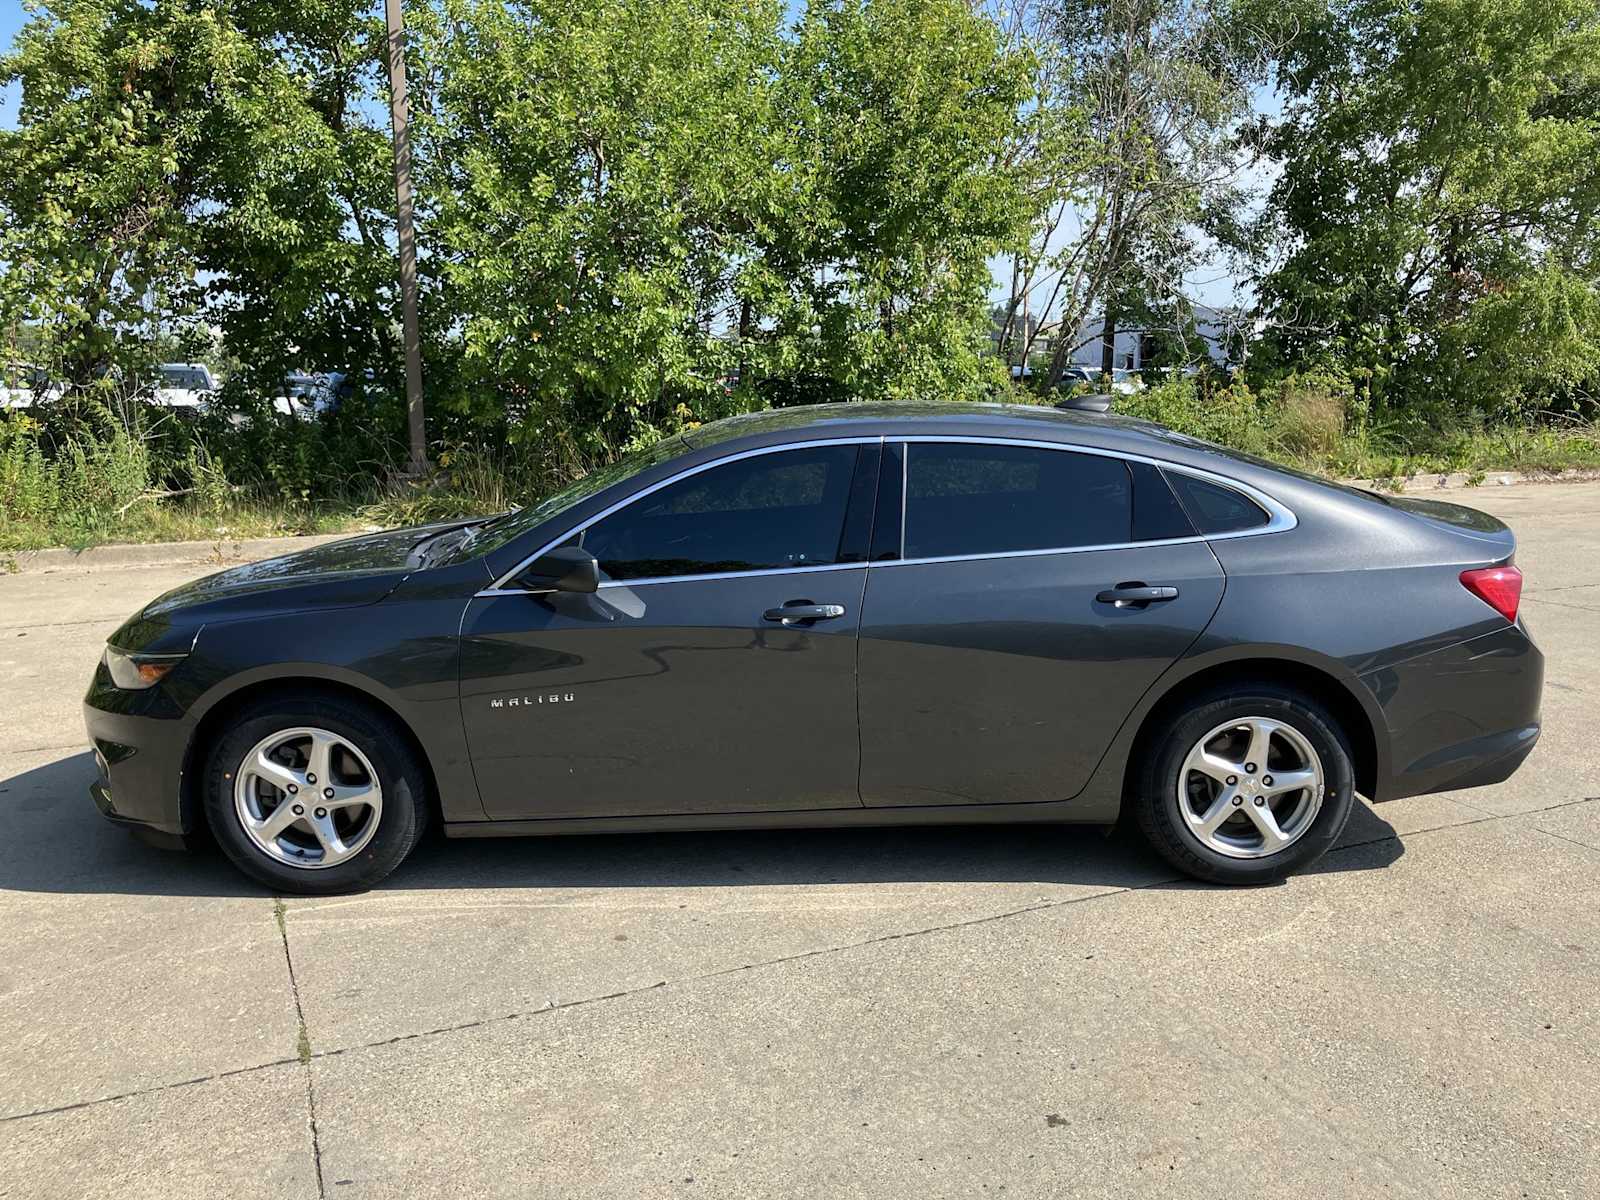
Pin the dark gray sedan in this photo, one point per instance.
(846, 615)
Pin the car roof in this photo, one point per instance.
(1025, 422)
(947, 418)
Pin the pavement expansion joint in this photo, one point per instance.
(305, 1055)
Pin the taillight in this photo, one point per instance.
(1498, 587)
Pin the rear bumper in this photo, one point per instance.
(1462, 717)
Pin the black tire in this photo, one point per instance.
(1156, 799)
(401, 822)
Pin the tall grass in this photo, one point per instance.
(75, 476)
(1313, 423)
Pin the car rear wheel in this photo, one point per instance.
(315, 796)
(1250, 783)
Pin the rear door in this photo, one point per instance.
(997, 657)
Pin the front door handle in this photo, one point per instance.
(803, 612)
(1136, 595)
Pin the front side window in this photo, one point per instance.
(970, 498)
(769, 511)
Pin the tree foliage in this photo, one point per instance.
(1440, 197)
(639, 214)
(632, 204)
(1132, 133)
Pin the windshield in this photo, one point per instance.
(498, 532)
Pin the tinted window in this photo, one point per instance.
(1214, 508)
(785, 509)
(1156, 512)
(978, 499)
(511, 525)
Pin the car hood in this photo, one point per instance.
(343, 574)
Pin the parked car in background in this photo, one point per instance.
(23, 384)
(1126, 382)
(313, 395)
(1074, 375)
(184, 385)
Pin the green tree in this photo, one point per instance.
(178, 165)
(1133, 130)
(1439, 197)
(903, 111)
(97, 182)
(626, 201)
(296, 213)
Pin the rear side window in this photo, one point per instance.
(1214, 508)
(984, 499)
(785, 509)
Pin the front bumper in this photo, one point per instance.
(1462, 717)
(139, 741)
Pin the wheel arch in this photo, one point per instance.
(295, 685)
(1350, 704)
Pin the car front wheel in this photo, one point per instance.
(1250, 783)
(316, 795)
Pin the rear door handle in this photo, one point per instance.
(1136, 595)
(803, 612)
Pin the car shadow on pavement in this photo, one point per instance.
(57, 843)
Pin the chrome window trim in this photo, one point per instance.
(1280, 519)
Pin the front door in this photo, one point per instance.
(714, 670)
(995, 665)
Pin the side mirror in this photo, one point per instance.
(564, 569)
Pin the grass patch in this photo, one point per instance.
(88, 484)
(1310, 423)
(179, 521)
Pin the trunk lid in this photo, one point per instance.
(1499, 542)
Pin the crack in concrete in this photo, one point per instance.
(302, 1040)
(83, 745)
(150, 1091)
(305, 1056)
(112, 621)
(1561, 837)
(1583, 608)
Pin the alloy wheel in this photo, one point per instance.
(307, 797)
(1251, 787)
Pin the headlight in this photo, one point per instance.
(135, 672)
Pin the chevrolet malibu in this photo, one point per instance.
(844, 615)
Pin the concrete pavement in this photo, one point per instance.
(851, 1013)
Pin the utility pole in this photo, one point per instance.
(400, 114)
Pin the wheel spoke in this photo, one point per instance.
(1219, 769)
(1271, 836)
(1290, 781)
(319, 762)
(277, 821)
(275, 773)
(1221, 808)
(333, 846)
(350, 795)
(1261, 732)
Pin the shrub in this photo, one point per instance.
(1310, 416)
(1230, 415)
(27, 479)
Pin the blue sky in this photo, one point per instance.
(11, 18)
